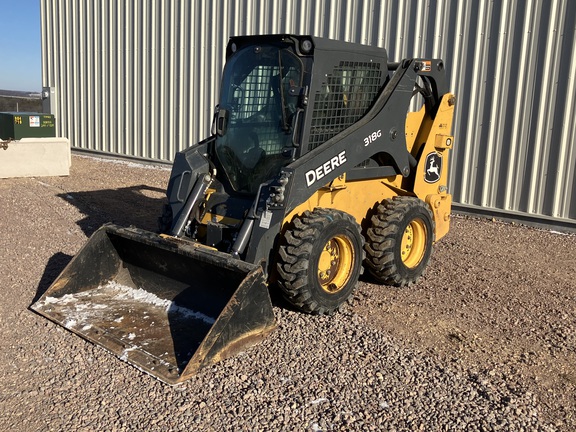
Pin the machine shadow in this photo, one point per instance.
(53, 268)
(138, 206)
(135, 205)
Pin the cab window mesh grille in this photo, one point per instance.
(345, 96)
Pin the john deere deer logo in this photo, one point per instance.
(433, 167)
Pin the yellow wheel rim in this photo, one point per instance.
(335, 264)
(413, 246)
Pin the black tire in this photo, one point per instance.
(320, 260)
(399, 241)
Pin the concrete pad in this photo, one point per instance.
(35, 157)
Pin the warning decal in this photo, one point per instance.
(34, 121)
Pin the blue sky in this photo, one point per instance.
(20, 58)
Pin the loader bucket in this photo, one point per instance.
(167, 306)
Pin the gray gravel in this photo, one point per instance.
(349, 371)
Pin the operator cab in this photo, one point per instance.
(256, 114)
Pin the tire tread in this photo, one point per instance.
(294, 256)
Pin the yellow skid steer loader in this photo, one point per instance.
(324, 159)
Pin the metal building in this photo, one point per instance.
(140, 79)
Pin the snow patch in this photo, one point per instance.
(126, 292)
(84, 306)
(70, 323)
(124, 356)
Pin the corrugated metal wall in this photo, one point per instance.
(140, 78)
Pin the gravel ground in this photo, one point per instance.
(485, 341)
